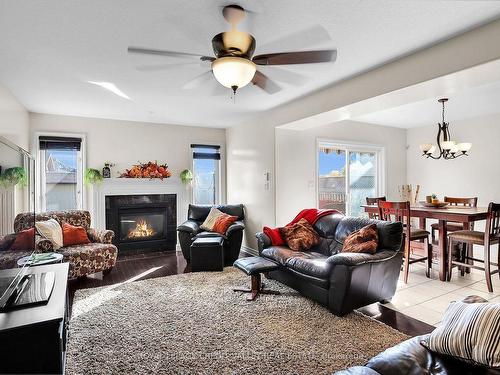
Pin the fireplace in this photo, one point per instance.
(142, 223)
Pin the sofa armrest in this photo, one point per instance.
(100, 235)
(263, 241)
(189, 226)
(235, 227)
(356, 259)
(43, 245)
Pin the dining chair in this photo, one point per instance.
(490, 236)
(450, 225)
(414, 239)
(373, 202)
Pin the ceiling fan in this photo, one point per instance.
(234, 65)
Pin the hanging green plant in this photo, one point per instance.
(92, 176)
(186, 176)
(13, 176)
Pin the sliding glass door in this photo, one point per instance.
(347, 174)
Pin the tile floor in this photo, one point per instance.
(426, 299)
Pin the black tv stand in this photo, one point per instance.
(36, 334)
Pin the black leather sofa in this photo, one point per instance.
(340, 281)
(412, 358)
(190, 230)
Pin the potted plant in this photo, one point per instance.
(13, 176)
(186, 176)
(92, 176)
(434, 199)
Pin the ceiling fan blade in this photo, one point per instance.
(283, 75)
(300, 57)
(160, 67)
(266, 84)
(160, 52)
(198, 81)
(302, 39)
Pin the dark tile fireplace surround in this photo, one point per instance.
(142, 223)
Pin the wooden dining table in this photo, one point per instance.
(465, 215)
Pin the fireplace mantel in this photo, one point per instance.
(136, 186)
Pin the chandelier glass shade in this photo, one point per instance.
(447, 148)
(233, 72)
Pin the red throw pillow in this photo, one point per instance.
(364, 240)
(73, 235)
(223, 222)
(25, 240)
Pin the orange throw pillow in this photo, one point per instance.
(25, 240)
(364, 240)
(300, 236)
(73, 235)
(223, 222)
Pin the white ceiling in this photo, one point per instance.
(50, 49)
(462, 105)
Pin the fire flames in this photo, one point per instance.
(142, 229)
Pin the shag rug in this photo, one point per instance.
(195, 324)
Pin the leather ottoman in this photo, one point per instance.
(254, 267)
(207, 254)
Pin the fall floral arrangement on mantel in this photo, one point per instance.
(147, 170)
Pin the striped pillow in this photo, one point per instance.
(469, 331)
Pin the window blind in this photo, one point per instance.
(211, 152)
(60, 143)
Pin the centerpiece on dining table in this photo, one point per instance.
(432, 201)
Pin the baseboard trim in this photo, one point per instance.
(249, 250)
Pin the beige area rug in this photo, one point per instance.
(195, 324)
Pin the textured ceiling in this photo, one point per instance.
(51, 49)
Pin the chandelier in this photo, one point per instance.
(448, 149)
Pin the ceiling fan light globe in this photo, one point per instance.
(448, 145)
(233, 71)
(465, 146)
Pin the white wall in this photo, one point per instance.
(250, 154)
(14, 119)
(125, 142)
(296, 161)
(475, 175)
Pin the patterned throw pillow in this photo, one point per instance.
(217, 221)
(51, 230)
(469, 331)
(364, 240)
(300, 236)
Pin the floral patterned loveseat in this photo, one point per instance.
(98, 255)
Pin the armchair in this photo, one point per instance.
(190, 230)
(98, 255)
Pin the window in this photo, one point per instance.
(61, 170)
(206, 174)
(347, 174)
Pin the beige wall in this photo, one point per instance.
(296, 161)
(250, 154)
(14, 119)
(125, 142)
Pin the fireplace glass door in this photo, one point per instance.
(140, 226)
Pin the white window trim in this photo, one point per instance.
(221, 188)
(381, 169)
(40, 187)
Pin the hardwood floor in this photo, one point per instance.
(145, 266)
